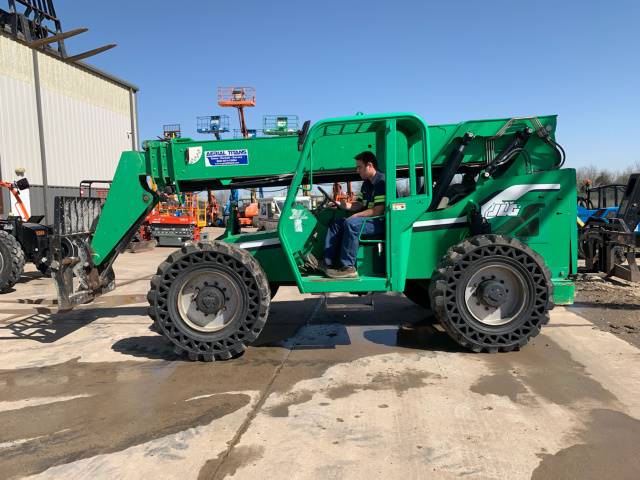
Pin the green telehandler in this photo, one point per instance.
(490, 255)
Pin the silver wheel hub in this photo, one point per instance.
(208, 301)
(492, 292)
(496, 294)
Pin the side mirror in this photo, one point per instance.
(22, 184)
(302, 134)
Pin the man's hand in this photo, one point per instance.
(345, 205)
(370, 212)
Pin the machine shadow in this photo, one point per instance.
(28, 276)
(289, 328)
(427, 338)
(154, 347)
(47, 327)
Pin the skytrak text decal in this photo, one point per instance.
(225, 158)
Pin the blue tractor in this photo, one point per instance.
(599, 205)
(601, 202)
(609, 238)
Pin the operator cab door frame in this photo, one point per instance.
(400, 213)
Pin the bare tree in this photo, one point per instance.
(623, 176)
(602, 176)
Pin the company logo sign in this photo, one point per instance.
(502, 209)
(225, 158)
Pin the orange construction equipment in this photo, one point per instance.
(175, 221)
(246, 212)
(15, 188)
(339, 195)
(238, 97)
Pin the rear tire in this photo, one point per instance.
(492, 293)
(210, 300)
(583, 234)
(11, 261)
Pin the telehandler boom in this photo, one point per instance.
(490, 255)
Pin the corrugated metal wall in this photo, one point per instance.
(19, 139)
(87, 123)
(86, 120)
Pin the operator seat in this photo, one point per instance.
(455, 192)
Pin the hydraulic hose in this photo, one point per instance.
(543, 133)
(515, 148)
(450, 169)
(562, 156)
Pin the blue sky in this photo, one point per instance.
(447, 61)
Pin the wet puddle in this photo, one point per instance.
(107, 407)
(608, 443)
(609, 447)
(60, 413)
(541, 369)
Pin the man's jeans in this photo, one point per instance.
(342, 238)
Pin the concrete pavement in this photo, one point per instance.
(95, 393)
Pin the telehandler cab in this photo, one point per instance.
(490, 256)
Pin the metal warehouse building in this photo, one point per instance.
(61, 121)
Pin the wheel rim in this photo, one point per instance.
(496, 294)
(208, 300)
(1, 262)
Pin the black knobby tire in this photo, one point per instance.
(450, 286)
(418, 292)
(241, 272)
(12, 261)
(584, 233)
(582, 245)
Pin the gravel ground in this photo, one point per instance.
(612, 304)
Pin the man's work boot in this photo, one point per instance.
(324, 267)
(343, 272)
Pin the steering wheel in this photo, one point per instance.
(327, 199)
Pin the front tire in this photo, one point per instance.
(11, 261)
(210, 300)
(492, 293)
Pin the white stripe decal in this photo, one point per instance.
(515, 192)
(442, 221)
(258, 243)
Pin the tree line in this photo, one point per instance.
(605, 176)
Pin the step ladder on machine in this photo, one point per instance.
(339, 302)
